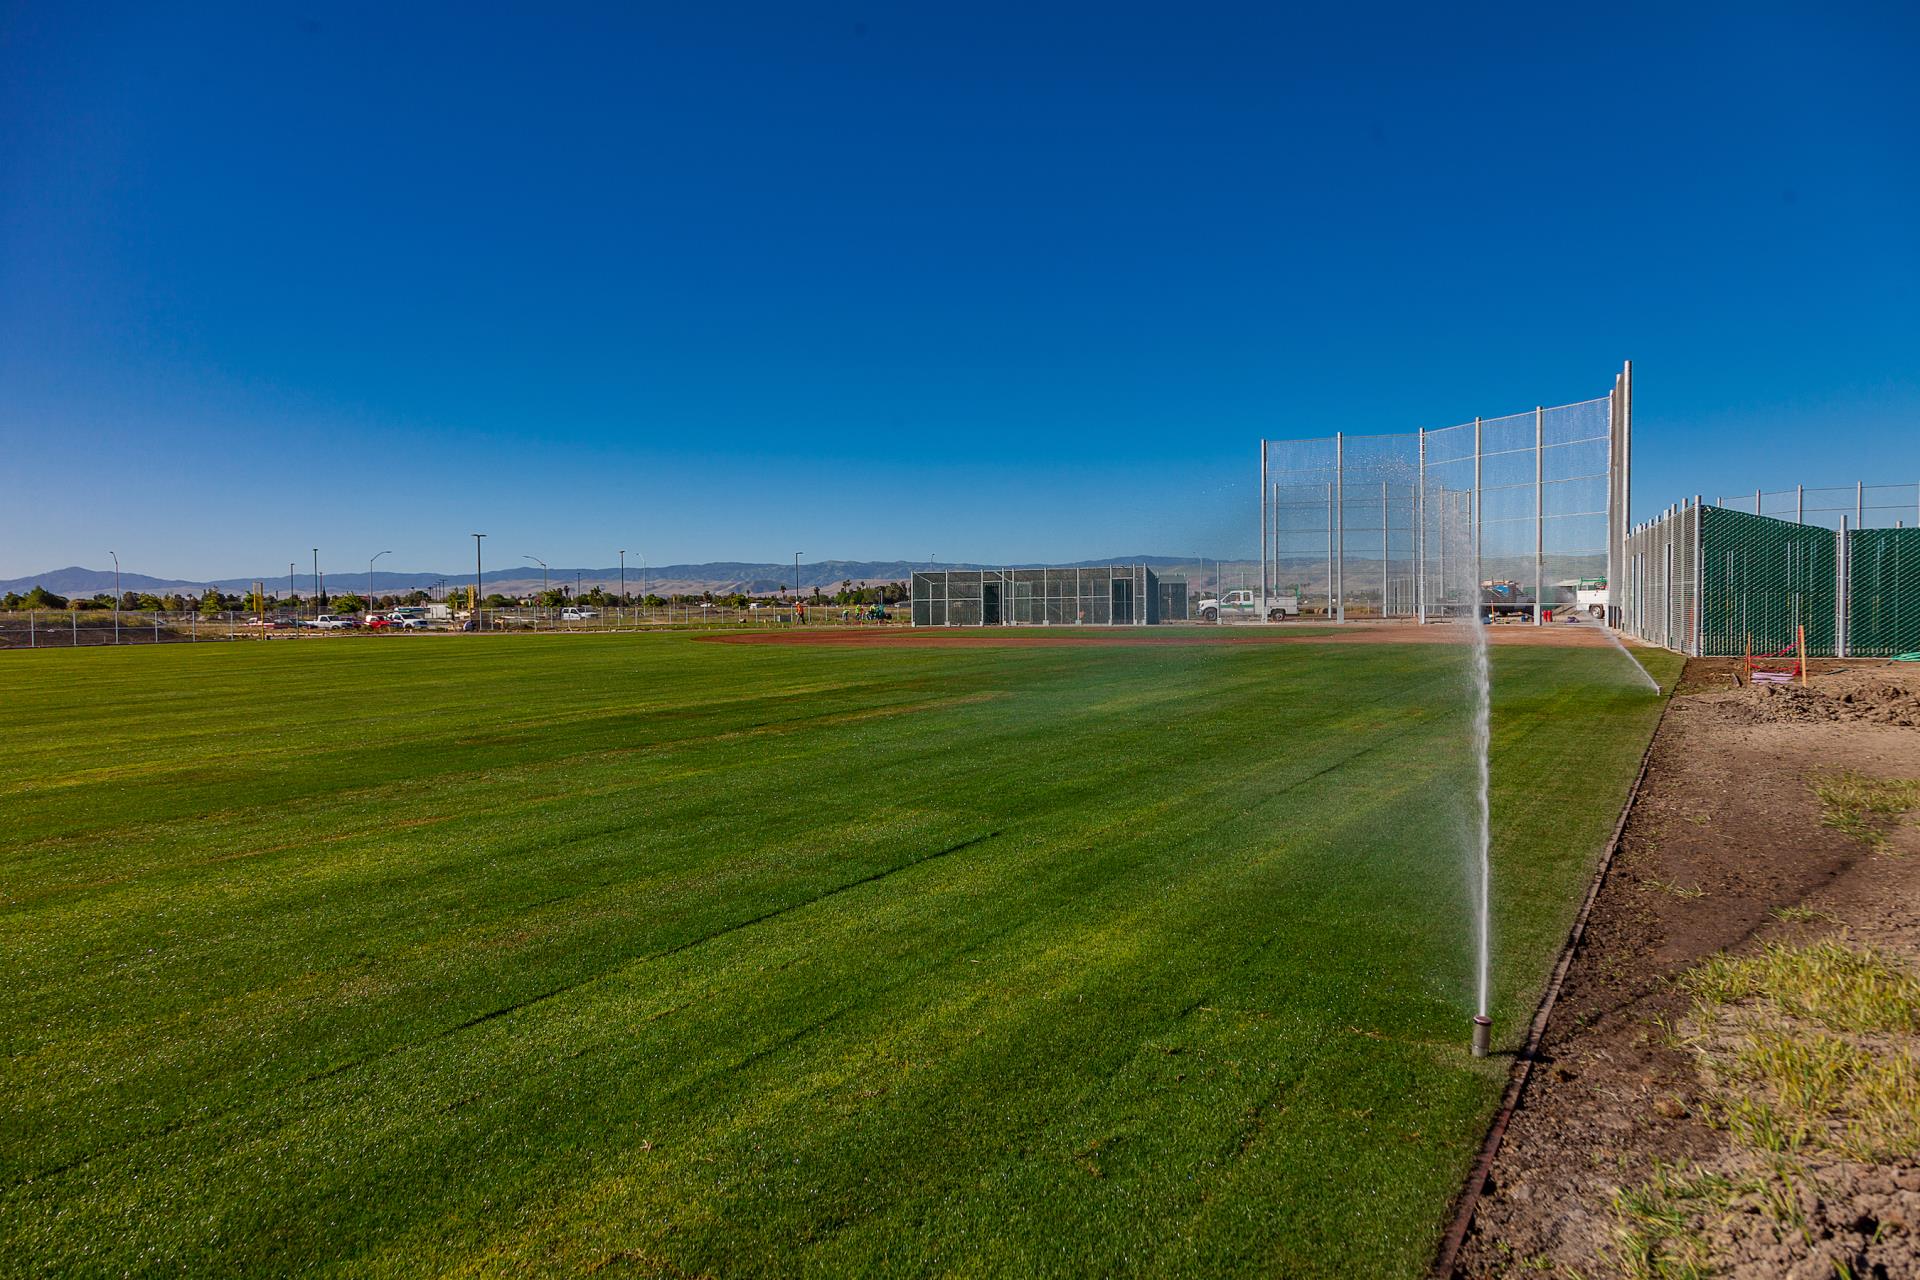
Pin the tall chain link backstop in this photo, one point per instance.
(1526, 508)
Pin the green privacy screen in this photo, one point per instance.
(1883, 592)
(1762, 578)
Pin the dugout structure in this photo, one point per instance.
(1713, 581)
(1412, 525)
(1107, 596)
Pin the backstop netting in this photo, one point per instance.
(1421, 524)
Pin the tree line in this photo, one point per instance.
(213, 601)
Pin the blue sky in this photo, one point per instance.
(994, 282)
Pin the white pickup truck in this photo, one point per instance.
(333, 622)
(1245, 606)
(1590, 597)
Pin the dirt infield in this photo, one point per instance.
(1557, 634)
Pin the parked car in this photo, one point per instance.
(579, 615)
(1249, 606)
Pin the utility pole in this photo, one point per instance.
(476, 580)
(316, 582)
(292, 591)
(796, 575)
(623, 578)
(116, 595)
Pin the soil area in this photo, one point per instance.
(1727, 850)
(1504, 633)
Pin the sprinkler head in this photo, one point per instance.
(1482, 1034)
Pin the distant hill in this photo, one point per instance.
(720, 576)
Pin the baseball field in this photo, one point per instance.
(650, 955)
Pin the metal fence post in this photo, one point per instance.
(1617, 532)
(1699, 577)
(1329, 498)
(1475, 522)
(1800, 508)
(1539, 513)
(1263, 525)
(1859, 504)
(74, 617)
(1841, 577)
(1420, 542)
(33, 640)
(1386, 556)
(1340, 525)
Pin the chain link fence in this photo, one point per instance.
(86, 628)
(1718, 581)
(1431, 523)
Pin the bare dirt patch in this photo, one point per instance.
(1634, 1151)
(1873, 693)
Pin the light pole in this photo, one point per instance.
(623, 578)
(543, 578)
(370, 580)
(292, 590)
(116, 595)
(796, 575)
(316, 582)
(475, 612)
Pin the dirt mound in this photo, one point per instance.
(1868, 700)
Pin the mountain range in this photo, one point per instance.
(720, 577)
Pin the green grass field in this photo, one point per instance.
(658, 956)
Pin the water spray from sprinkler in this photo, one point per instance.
(1482, 837)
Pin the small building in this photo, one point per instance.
(1128, 595)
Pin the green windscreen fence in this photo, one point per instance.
(1883, 592)
(1762, 579)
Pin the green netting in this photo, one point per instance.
(1761, 579)
(1883, 592)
